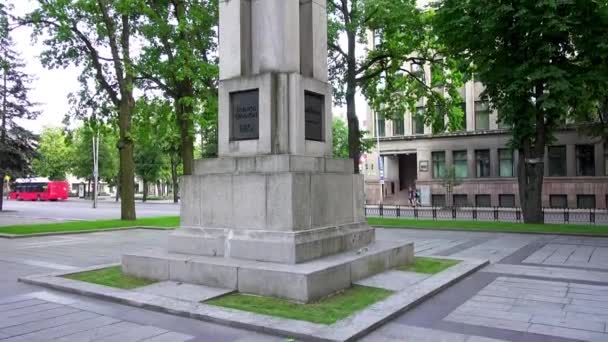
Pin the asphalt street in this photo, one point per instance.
(17, 212)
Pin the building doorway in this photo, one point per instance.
(407, 171)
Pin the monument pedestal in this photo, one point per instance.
(280, 225)
(274, 214)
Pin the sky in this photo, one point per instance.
(50, 88)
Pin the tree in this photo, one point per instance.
(526, 53)
(157, 142)
(401, 35)
(17, 145)
(178, 59)
(52, 160)
(81, 152)
(82, 32)
(340, 138)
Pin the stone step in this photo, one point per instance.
(300, 282)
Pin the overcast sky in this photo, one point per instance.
(51, 87)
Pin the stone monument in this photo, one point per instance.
(274, 214)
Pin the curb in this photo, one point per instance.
(75, 232)
(352, 328)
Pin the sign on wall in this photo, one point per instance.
(244, 115)
(314, 105)
(424, 166)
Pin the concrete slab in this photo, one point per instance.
(393, 280)
(183, 291)
(300, 282)
(349, 329)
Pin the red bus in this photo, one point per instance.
(39, 189)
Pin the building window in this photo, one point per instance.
(463, 119)
(482, 162)
(418, 121)
(482, 115)
(438, 164)
(506, 201)
(585, 201)
(398, 128)
(461, 168)
(585, 160)
(558, 201)
(438, 200)
(505, 157)
(483, 201)
(418, 71)
(557, 161)
(461, 200)
(381, 126)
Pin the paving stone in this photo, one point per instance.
(97, 333)
(407, 333)
(169, 337)
(136, 334)
(568, 333)
(20, 304)
(586, 309)
(30, 327)
(38, 316)
(508, 315)
(393, 280)
(28, 310)
(70, 328)
(568, 323)
(488, 322)
(184, 291)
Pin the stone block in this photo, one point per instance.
(146, 266)
(339, 165)
(328, 281)
(217, 208)
(245, 164)
(263, 250)
(188, 242)
(190, 210)
(248, 202)
(329, 192)
(273, 283)
(280, 209)
(306, 164)
(214, 165)
(301, 201)
(359, 198)
(272, 163)
(192, 271)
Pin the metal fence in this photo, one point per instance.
(551, 215)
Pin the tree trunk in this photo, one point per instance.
(174, 179)
(354, 144)
(183, 114)
(127, 166)
(145, 196)
(530, 178)
(1, 192)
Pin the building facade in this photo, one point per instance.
(484, 167)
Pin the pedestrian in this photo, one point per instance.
(410, 196)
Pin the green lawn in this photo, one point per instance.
(429, 265)
(26, 229)
(489, 226)
(327, 311)
(112, 277)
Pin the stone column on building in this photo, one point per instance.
(274, 214)
(471, 162)
(494, 163)
(600, 164)
(571, 160)
(470, 104)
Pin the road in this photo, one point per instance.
(76, 209)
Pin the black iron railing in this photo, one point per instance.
(550, 215)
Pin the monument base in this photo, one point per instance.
(304, 282)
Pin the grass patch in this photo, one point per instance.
(27, 229)
(428, 265)
(112, 277)
(490, 226)
(327, 311)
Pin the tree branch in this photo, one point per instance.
(337, 48)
